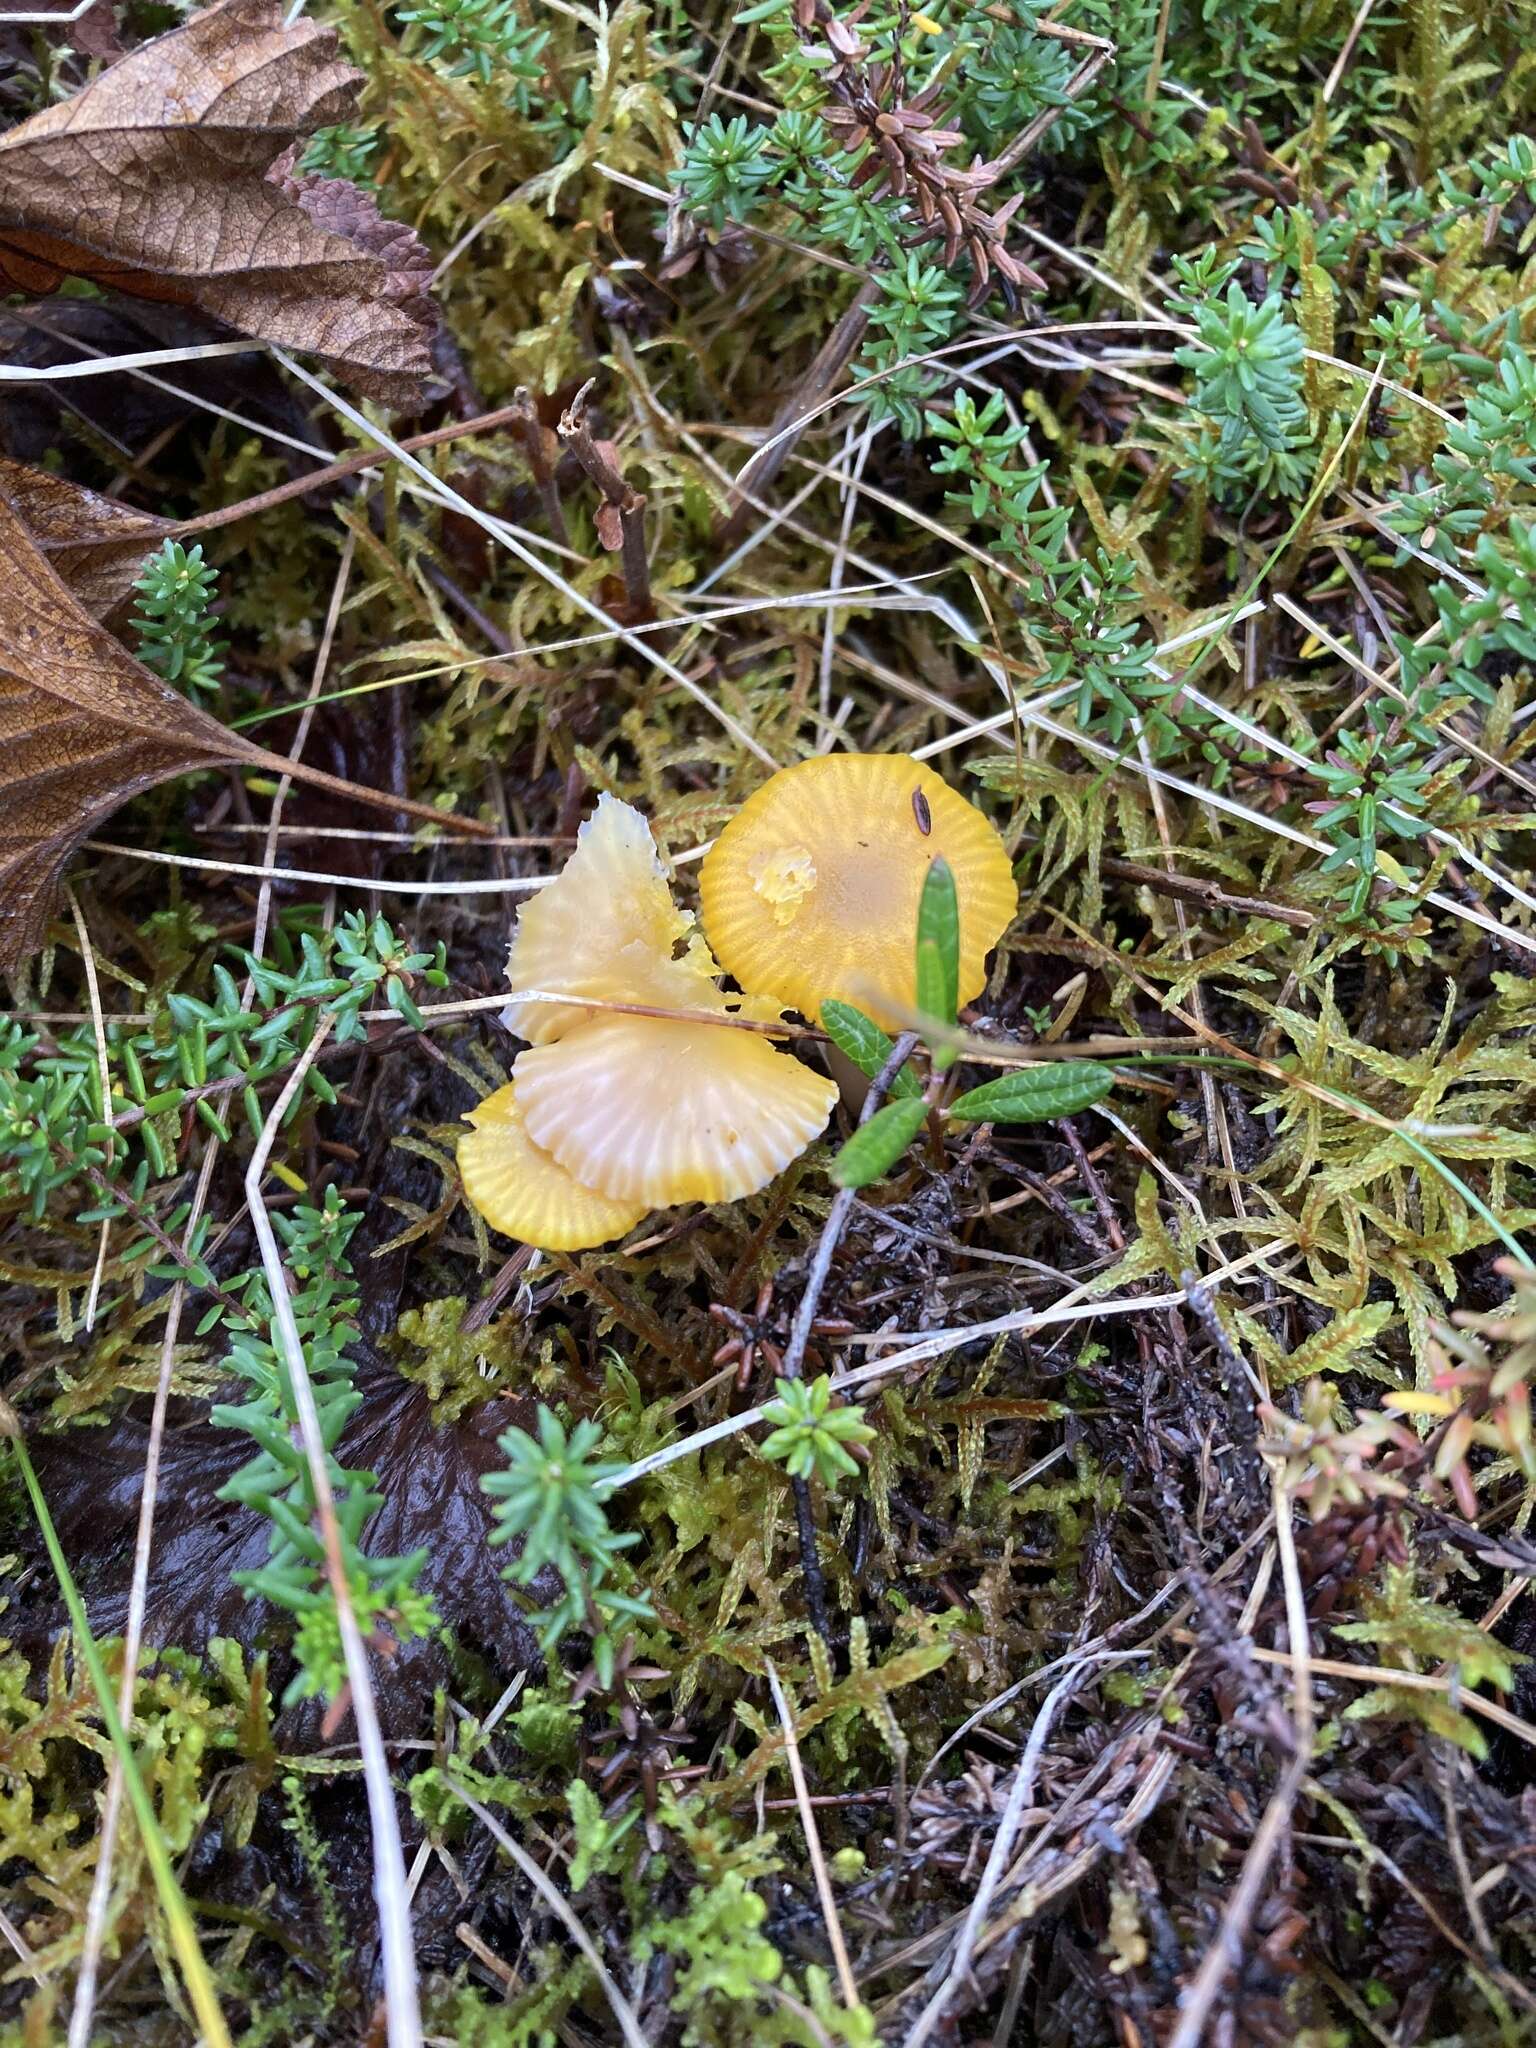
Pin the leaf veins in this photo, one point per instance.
(169, 177)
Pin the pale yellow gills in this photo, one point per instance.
(524, 1193)
(812, 889)
(606, 926)
(659, 1112)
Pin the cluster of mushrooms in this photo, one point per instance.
(810, 893)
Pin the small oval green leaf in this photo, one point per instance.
(1033, 1095)
(861, 1040)
(938, 944)
(876, 1146)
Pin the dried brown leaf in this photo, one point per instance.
(83, 727)
(169, 177)
(95, 545)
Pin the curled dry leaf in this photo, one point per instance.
(170, 177)
(96, 545)
(83, 727)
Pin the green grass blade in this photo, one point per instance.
(194, 1970)
(938, 948)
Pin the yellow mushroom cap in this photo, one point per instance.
(812, 889)
(524, 1193)
(606, 926)
(655, 1111)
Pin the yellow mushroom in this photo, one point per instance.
(812, 889)
(524, 1193)
(606, 927)
(657, 1112)
(611, 1114)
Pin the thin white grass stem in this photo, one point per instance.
(1341, 62)
(939, 606)
(8, 1927)
(936, 1344)
(296, 748)
(1225, 1951)
(83, 2009)
(859, 457)
(499, 531)
(890, 593)
(1378, 681)
(104, 365)
(105, 361)
(623, 2011)
(952, 1970)
(848, 393)
(1285, 752)
(356, 835)
(491, 886)
(391, 1896)
(824, 1893)
(982, 728)
(1213, 800)
(1010, 1693)
(772, 520)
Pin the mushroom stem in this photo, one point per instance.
(853, 1083)
(800, 1336)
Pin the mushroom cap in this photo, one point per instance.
(811, 891)
(655, 1112)
(606, 926)
(524, 1193)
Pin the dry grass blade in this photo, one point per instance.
(391, 1895)
(82, 2012)
(949, 1974)
(499, 531)
(629, 2025)
(824, 1893)
(98, 1027)
(183, 1935)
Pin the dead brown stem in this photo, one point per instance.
(625, 507)
(531, 431)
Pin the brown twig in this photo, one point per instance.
(536, 438)
(1086, 72)
(800, 1334)
(506, 1278)
(335, 472)
(621, 519)
(1192, 889)
(173, 1251)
